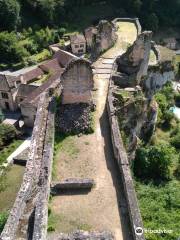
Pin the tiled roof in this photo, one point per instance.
(50, 66)
(32, 74)
(24, 90)
(33, 97)
(64, 57)
(77, 38)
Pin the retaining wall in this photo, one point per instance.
(124, 167)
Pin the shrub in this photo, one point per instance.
(167, 117)
(7, 134)
(3, 219)
(153, 162)
(175, 141)
(177, 99)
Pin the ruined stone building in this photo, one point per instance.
(21, 90)
(101, 37)
(77, 82)
(78, 44)
(10, 83)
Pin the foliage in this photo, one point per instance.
(152, 22)
(7, 134)
(175, 140)
(43, 38)
(3, 219)
(10, 49)
(177, 99)
(160, 208)
(8, 150)
(165, 100)
(9, 14)
(153, 162)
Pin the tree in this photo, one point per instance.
(9, 14)
(10, 49)
(136, 6)
(153, 162)
(152, 22)
(44, 37)
(7, 134)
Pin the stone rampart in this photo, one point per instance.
(124, 167)
(23, 205)
(41, 208)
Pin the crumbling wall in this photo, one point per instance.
(30, 175)
(104, 38)
(124, 167)
(77, 82)
(134, 62)
(32, 199)
(41, 208)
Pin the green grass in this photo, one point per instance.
(60, 223)
(65, 144)
(6, 152)
(10, 183)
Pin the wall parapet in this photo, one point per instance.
(131, 20)
(22, 212)
(124, 167)
(41, 208)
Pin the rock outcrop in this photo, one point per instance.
(157, 77)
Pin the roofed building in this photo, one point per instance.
(78, 44)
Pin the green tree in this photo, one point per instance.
(153, 162)
(10, 49)
(7, 134)
(44, 37)
(9, 14)
(152, 22)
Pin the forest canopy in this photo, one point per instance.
(153, 13)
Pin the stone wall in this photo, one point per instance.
(104, 38)
(77, 82)
(23, 208)
(41, 208)
(156, 51)
(124, 167)
(157, 77)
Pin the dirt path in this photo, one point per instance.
(104, 208)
